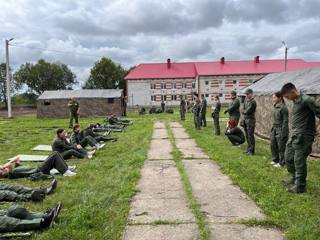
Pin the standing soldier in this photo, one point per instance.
(215, 115)
(234, 108)
(303, 130)
(163, 105)
(74, 111)
(182, 108)
(249, 120)
(280, 130)
(203, 110)
(196, 113)
(188, 105)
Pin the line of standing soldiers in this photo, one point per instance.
(287, 147)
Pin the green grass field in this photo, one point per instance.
(96, 202)
(297, 215)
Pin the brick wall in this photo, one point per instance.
(88, 107)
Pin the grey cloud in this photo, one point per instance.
(131, 32)
(257, 45)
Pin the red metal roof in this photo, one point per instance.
(249, 67)
(193, 69)
(161, 70)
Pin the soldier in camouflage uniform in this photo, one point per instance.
(196, 113)
(182, 108)
(14, 169)
(74, 111)
(78, 137)
(203, 111)
(249, 120)
(19, 219)
(234, 108)
(280, 129)
(303, 130)
(163, 106)
(15, 193)
(234, 133)
(215, 115)
(66, 149)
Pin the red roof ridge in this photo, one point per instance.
(213, 68)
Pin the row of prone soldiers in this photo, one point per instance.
(17, 218)
(288, 147)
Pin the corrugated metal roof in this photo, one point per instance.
(193, 69)
(84, 93)
(308, 81)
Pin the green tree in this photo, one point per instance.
(106, 74)
(3, 84)
(45, 76)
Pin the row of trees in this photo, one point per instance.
(42, 76)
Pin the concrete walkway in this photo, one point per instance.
(223, 203)
(159, 210)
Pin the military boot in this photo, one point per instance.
(297, 189)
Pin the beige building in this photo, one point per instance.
(149, 84)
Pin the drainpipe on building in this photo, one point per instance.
(198, 81)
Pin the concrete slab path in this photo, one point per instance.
(160, 198)
(222, 202)
(159, 210)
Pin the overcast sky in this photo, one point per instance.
(139, 31)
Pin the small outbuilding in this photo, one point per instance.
(307, 81)
(93, 102)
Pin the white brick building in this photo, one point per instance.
(149, 84)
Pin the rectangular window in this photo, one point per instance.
(184, 85)
(153, 86)
(153, 98)
(234, 81)
(174, 97)
(207, 82)
(163, 85)
(46, 102)
(174, 85)
(110, 100)
(193, 84)
(207, 95)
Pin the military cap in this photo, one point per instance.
(248, 91)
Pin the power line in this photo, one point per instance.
(56, 51)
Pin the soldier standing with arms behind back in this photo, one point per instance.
(280, 130)
(249, 120)
(74, 111)
(182, 108)
(234, 108)
(215, 115)
(303, 130)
